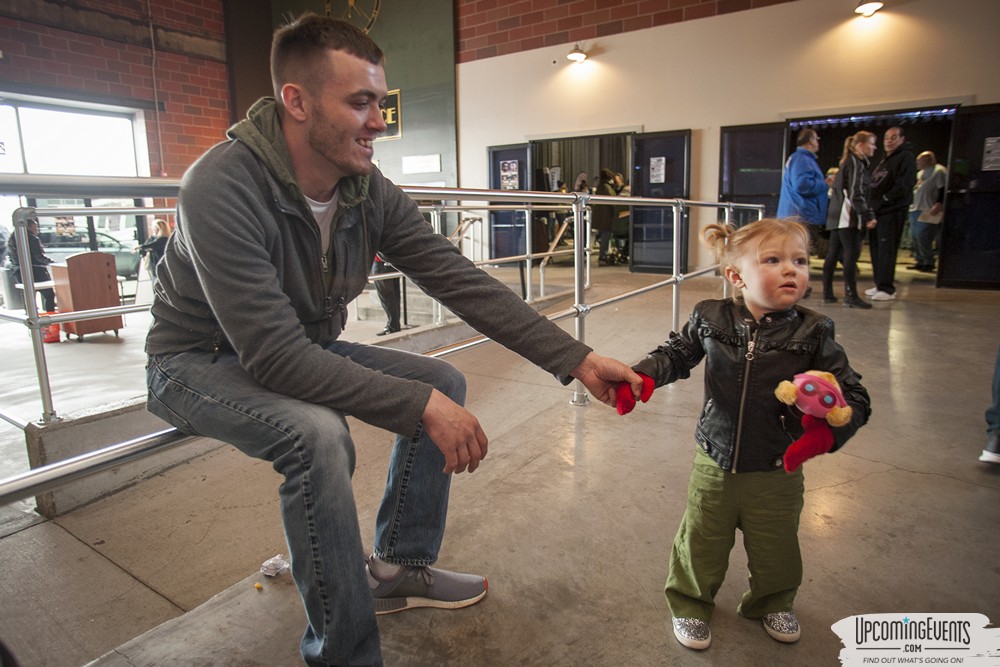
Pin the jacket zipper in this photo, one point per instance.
(325, 281)
(749, 356)
(339, 303)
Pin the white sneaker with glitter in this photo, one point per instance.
(782, 626)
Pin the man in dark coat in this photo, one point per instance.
(892, 192)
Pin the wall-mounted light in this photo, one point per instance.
(868, 7)
(577, 55)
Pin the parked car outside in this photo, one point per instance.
(71, 241)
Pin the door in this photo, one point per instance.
(661, 168)
(750, 162)
(510, 167)
(970, 236)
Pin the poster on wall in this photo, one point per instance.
(508, 174)
(991, 154)
(555, 176)
(657, 169)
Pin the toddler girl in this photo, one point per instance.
(741, 477)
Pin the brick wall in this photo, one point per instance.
(101, 50)
(488, 28)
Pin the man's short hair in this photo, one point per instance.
(804, 136)
(297, 49)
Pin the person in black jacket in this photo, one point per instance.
(39, 264)
(153, 248)
(602, 215)
(850, 215)
(892, 192)
(745, 472)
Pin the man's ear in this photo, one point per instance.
(734, 278)
(293, 99)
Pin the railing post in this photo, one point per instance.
(529, 232)
(585, 216)
(729, 222)
(21, 218)
(678, 209)
(437, 312)
(580, 231)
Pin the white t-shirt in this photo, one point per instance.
(323, 212)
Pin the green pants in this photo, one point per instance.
(765, 506)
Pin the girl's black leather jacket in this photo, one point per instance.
(743, 426)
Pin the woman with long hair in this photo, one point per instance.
(849, 217)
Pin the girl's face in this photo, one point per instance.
(773, 276)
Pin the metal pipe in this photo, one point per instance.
(129, 210)
(31, 185)
(529, 229)
(50, 476)
(21, 218)
(580, 397)
(678, 210)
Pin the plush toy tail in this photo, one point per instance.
(624, 399)
(817, 439)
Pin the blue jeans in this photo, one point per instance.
(924, 237)
(993, 412)
(311, 447)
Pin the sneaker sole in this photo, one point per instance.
(695, 644)
(782, 637)
(392, 605)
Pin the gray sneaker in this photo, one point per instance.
(693, 633)
(782, 626)
(425, 587)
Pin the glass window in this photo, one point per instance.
(77, 143)
(10, 142)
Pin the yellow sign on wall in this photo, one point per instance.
(392, 115)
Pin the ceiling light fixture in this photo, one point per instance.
(868, 7)
(577, 55)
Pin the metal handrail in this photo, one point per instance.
(53, 475)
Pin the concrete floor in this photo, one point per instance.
(571, 517)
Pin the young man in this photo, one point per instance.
(276, 230)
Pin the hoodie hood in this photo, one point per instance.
(261, 132)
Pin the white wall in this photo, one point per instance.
(764, 65)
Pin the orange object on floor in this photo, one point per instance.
(50, 333)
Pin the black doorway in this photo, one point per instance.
(926, 129)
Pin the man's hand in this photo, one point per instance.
(456, 432)
(601, 375)
(871, 224)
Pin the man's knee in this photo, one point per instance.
(451, 382)
(321, 438)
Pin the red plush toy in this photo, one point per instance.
(817, 394)
(626, 401)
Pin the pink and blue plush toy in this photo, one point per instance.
(817, 394)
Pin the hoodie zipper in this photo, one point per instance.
(749, 357)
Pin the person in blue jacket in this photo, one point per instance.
(803, 184)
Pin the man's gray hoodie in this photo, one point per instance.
(245, 273)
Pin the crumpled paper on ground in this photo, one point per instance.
(272, 567)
